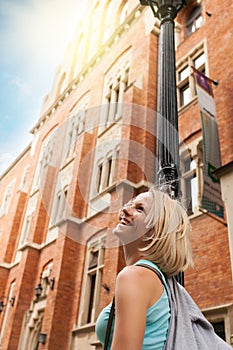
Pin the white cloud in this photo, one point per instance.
(22, 86)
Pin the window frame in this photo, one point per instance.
(114, 97)
(188, 80)
(75, 127)
(11, 294)
(124, 11)
(87, 315)
(116, 83)
(61, 200)
(105, 172)
(221, 314)
(192, 19)
(7, 198)
(187, 178)
(193, 152)
(46, 158)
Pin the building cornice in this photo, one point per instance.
(121, 30)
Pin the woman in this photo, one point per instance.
(154, 229)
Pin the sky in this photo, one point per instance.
(33, 37)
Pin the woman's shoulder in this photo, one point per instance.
(131, 273)
(150, 264)
(132, 288)
(144, 282)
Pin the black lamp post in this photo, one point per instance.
(167, 150)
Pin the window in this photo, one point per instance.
(26, 228)
(115, 84)
(94, 31)
(47, 157)
(191, 171)
(104, 175)
(61, 204)
(185, 95)
(114, 96)
(92, 281)
(124, 12)
(7, 198)
(79, 55)
(76, 126)
(185, 79)
(99, 177)
(48, 150)
(27, 223)
(109, 172)
(7, 309)
(106, 172)
(24, 183)
(219, 328)
(190, 185)
(194, 20)
(61, 85)
(108, 28)
(32, 326)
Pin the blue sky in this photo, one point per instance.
(33, 37)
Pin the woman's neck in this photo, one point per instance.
(131, 253)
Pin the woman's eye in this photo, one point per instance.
(140, 208)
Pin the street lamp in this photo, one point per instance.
(167, 149)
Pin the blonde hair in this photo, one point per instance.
(167, 241)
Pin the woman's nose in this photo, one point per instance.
(127, 210)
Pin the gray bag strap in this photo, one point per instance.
(157, 273)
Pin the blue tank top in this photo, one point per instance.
(157, 321)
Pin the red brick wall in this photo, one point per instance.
(210, 282)
(217, 33)
(24, 275)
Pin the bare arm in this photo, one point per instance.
(135, 292)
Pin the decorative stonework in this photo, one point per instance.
(119, 32)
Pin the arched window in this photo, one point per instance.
(105, 173)
(92, 279)
(76, 125)
(124, 11)
(192, 178)
(79, 55)
(61, 84)
(109, 20)
(61, 203)
(194, 20)
(94, 31)
(116, 83)
(7, 198)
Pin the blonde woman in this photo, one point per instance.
(154, 230)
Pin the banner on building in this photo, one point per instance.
(211, 195)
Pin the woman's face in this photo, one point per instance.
(132, 224)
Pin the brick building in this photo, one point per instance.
(93, 148)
